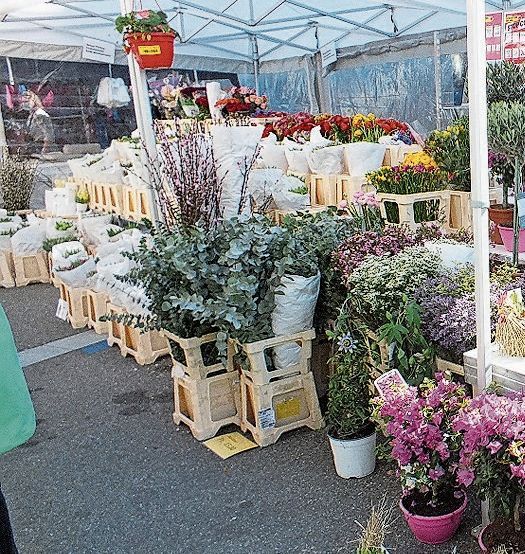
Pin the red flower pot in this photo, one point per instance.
(152, 50)
(434, 529)
(500, 216)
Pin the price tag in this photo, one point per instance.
(62, 310)
(267, 418)
(149, 50)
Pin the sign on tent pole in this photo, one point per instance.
(98, 50)
(328, 54)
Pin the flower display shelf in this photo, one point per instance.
(7, 270)
(98, 196)
(146, 347)
(114, 199)
(97, 303)
(206, 405)
(259, 352)
(135, 204)
(192, 351)
(31, 268)
(461, 207)
(406, 202)
(444, 366)
(507, 372)
(268, 411)
(77, 305)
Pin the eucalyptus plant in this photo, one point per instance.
(506, 126)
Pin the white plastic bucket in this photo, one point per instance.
(354, 458)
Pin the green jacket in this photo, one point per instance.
(17, 416)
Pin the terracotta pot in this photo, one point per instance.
(152, 50)
(500, 216)
(434, 529)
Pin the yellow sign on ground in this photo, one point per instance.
(229, 445)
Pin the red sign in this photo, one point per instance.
(493, 35)
(514, 37)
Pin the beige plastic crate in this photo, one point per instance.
(97, 303)
(268, 411)
(206, 405)
(77, 305)
(7, 269)
(257, 369)
(31, 268)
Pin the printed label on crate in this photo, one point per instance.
(291, 407)
(390, 381)
(267, 418)
(149, 50)
(62, 310)
(226, 446)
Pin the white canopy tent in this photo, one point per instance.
(246, 34)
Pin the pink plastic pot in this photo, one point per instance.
(434, 530)
(480, 541)
(507, 235)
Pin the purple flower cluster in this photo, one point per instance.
(419, 423)
(493, 429)
(449, 313)
(355, 249)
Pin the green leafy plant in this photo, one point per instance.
(451, 151)
(63, 225)
(349, 391)
(321, 234)
(506, 125)
(145, 21)
(303, 189)
(17, 181)
(49, 243)
(411, 353)
(505, 82)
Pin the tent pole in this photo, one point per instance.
(139, 88)
(438, 80)
(256, 61)
(477, 79)
(480, 179)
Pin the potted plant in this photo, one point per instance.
(501, 214)
(492, 462)
(82, 201)
(507, 136)
(148, 35)
(351, 433)
(419, 424)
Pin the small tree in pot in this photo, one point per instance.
(351, 431)
(507, 136)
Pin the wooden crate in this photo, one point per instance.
(98, 196)
(257, 354)
(268, 411)
(7, 269)
(461, 207)
(97, 303)
(405, 203)
(277, 216)
(77, 305)
(446, 366)
(382, 365)
(190, 361)
(114, 199)
(135, 203)
(31, 268)
(54, 280)
(206, 405)
(323, 190)
(146, 347)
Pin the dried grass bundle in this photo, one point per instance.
(510, 335)
(373, 534)
(17, 181)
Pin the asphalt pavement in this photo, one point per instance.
(108, 472)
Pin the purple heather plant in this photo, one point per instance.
(352, 252)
